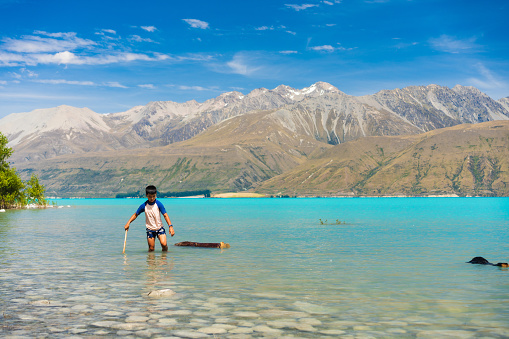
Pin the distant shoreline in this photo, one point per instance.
(239, 195)
(259, 195)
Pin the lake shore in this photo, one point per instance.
(238, 195)
(259, 195)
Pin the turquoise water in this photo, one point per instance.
(395, 268)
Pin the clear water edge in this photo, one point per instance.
(395, 268)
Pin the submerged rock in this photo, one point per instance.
(161, 293)
(482, 261)
(479, 260)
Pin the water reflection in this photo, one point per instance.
(158, 270)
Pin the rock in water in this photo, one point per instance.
(161, 293)
(482, 261)
(479, 260)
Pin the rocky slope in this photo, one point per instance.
(433, 106)
(462, 160)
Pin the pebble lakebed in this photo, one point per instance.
(65, 310)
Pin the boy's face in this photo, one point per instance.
(151, 197)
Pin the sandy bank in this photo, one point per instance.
(238, 195)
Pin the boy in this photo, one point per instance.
(153, 210)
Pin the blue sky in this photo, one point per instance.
(112, 55)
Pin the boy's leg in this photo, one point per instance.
(162, 240)
(151, 244)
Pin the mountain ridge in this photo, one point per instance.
(236, 143)
(413, 109)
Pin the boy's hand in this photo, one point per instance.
(172, 231)
(126, 227)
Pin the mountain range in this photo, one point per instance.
(257, 141)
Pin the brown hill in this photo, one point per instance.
(232, 156)
(462, 160)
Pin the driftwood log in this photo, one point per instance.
(203, 244)
(482, 261)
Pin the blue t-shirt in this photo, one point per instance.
(141, 209)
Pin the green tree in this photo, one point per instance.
(5, 152)
(34, 191)
(12, 188)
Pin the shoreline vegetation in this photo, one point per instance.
(14, 192)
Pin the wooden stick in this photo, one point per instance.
(125, 240)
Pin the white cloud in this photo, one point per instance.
(324, 48)
(114, 84)
(149, 28)
(450, 44)
(65, 58)
(195, 23)
(11, 59)
(137, 38)
(329, 48)
(195, 88)
(486, 80)
(65, 82)
(272, 28)
(54, 42)
(240, 64)
(78, 83)
(28, 73)
(111, 31)
(69, 58)
(147, 86)
(43, 48)
(300, 7)
(264, 28)
(195, 57)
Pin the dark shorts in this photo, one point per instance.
(154, 234)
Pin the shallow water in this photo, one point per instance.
(395, 268)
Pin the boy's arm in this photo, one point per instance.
(133, 217)
(170, 226)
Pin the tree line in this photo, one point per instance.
(205, 193)
(14, 192)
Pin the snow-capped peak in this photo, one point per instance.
(19, 125)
